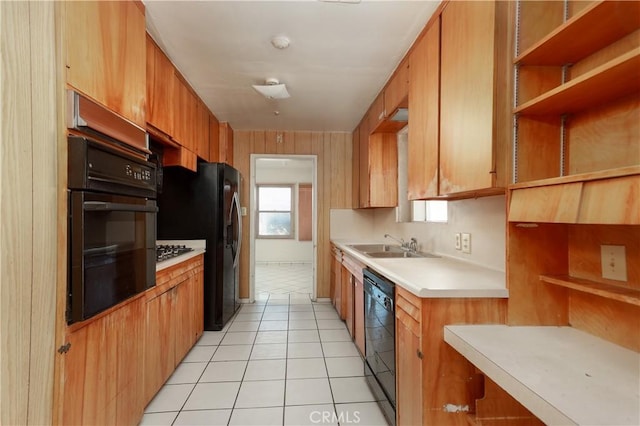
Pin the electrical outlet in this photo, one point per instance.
(243, 211)
(614, 262)
(466, 243)
(458, 241)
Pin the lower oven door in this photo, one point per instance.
(111, 250)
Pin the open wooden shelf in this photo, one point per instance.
(612, 80)
(580, 177)
(608, 291)
(594, 28)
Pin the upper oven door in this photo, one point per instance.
(112, 250)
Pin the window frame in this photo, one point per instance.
(292, 211)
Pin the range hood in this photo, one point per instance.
(402, 115)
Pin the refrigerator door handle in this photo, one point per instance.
(236, 203)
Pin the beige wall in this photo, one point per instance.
(28, 212)
(333, 150)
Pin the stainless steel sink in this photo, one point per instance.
(376, 248)
(392, 254)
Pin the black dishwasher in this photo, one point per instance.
(379, 323)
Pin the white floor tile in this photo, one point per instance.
(224, 371)
(304, 350)
(300, 324)
(306, 307)
(306, 368)
(273, 325)
(187, 372)
(367, 413)
(271, 337)
(244, 326)
(266, 369)
(301, 315)
(336, 349)
(269, 351)
(335, 335)
(211, 396)
(326, 315)
(308, 391)
(232, 353)
(300, 299)
(331, 324)
(169, 398)
(303, 336)
(306, 415)
(275, 316)
(257, 416)
(352, 366)
(158, 419)
(351, 389)
(261, 394)
(276, 308)
(251, 308)
(203, 417)
(238, 338)
(200, 354)
(251, 316)
(324, 307)
(210, 338)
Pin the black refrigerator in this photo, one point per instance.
(206, 205)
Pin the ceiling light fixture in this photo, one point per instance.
(280, 42)
(272, 89)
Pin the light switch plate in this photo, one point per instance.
(614, 262)
(466, 243)
(458, 241)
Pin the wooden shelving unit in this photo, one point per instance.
(582, 177)
(616, 78)
(608, 291)
(595, 27)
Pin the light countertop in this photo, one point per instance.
(198, 247)
(561, 374)
(441, 277)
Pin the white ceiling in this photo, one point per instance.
(339, 58)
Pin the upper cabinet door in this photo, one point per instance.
(160, 90)
(467, 96)
(396, 92)
(106, 57)
(424, 97)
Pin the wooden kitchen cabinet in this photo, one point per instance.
(378, 169)
(424, 106)
(393, 96)
(355, 319)
(202, 131)
(355, 168)
(408, 358)
(336, 280)
(214, 138)
(475, 98)
(106, 54)
(347, 299)
(160, 89)
(431, 374)
(225, 153)
(186, 114)
(103, 368)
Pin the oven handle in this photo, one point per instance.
(102, 206)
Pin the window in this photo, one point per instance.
(275, 211)
(429, 211)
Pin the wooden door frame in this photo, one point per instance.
(253, 225)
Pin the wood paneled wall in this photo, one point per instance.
(28, 212)
(334, 155)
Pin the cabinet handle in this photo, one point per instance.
(418, 353)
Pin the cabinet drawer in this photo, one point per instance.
(553, 204)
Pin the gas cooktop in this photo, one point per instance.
(164, 251)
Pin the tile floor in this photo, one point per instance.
(281, 361)
(273, 279)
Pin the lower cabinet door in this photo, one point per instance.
(358, 314)
(408, 376)
(159, 354)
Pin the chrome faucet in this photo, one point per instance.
(413, 245)
(403, 244)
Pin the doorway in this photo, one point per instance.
(283, 234)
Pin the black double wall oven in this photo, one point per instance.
(112, 226)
